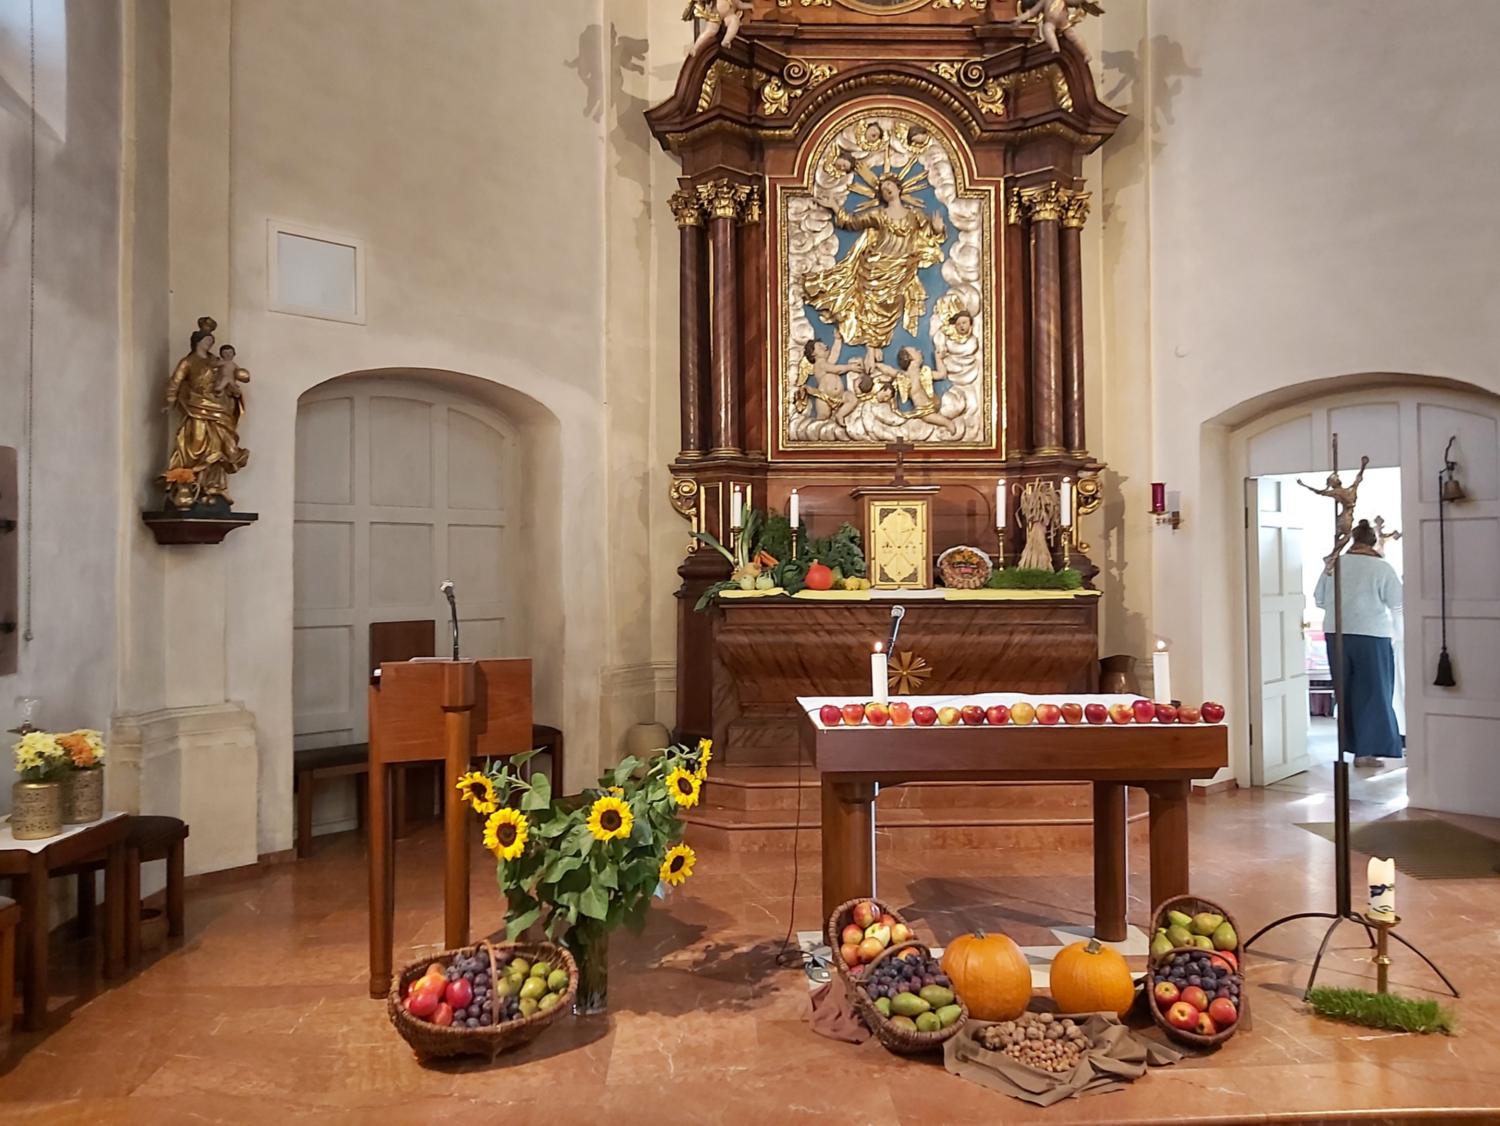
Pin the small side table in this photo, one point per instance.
(32, 864)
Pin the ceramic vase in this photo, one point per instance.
(83, 796)
(36, 810)
(589, 946)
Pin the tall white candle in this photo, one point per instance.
(1067, 502)
(1382, 876)
(736, 508)
(1161, 673)
(879, 674)
(1000, 503)
(796, 510)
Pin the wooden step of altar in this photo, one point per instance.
(1043, 826)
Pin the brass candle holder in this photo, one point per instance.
(1383, 925)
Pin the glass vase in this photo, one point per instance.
(590, 949)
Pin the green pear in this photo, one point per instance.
(1205, 923)
(1203, 942)
(1224, 937)
(1180, 936)
(1178, 919)
(1161, 944)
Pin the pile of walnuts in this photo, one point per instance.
(1039, 1040)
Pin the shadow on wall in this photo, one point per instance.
(1168, 66)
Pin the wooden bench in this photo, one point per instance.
(147, 838)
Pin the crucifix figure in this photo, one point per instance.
(900, 448)
(1344, 498)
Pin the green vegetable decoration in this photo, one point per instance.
(761, 557)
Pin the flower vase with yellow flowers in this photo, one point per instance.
(36, 799)
(584, 865)
(83, 790)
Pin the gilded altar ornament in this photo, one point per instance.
(721, 15)
(899, 543)
(1040, 507)
(205, 389)
(796, 78)
(907, 674)
(1054, 18)
(1344, 498)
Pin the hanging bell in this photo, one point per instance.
(1452, 490)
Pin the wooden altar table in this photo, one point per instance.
(854, 762)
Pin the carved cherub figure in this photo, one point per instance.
(1058, 17)
(1344, 498)
(725, 14)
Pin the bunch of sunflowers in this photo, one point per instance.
(595, 860)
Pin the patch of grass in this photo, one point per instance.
(1032, 578)
(1381, 1010)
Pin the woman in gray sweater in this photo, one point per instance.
(1371, 595)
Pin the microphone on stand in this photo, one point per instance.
(897, 613)
(447, 589)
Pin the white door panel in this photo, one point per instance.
(1278, 695)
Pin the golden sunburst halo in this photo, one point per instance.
(610, 819)
(478, 790)
(684, 786)
(505, 833)
(678, 865)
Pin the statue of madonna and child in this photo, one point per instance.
(205, 389)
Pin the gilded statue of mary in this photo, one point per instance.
(876, 287)
(206, 447)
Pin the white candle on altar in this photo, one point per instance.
(736, 508)
(795, 511)
(1067, 502)
(1161, 673)
(1000, 503)
(879, 674)
(1382, 876)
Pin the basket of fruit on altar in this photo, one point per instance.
(1194, 980)
(964, 568)
(907, 1001)
(482, 1000)
(860, 930)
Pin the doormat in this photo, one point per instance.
(1427, 849)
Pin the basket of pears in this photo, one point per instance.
(1195, 983)
(907, 1001)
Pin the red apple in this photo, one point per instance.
(972, 714)
(849, 951)
(1095, 712)
(854, 714)
(1143, 710)
(830, 715)
(1166, 995)
(1187, 714)
(1048, 714)
(423, 1002)
(1224, 960)
(852, 935)
(1212, 712)
(459, 993)
(1222, 1012)
(877, 713)
(1022, 713)
(1206, 1026)
(870, 949)
(887, 920)
(443, 1017)
(1194, 996)
(1072, 713)
(1122, 713)
(923, 715)
(997, 714)
(1182, 1015)
(865, 913)
(900, 713)
(1166, 713)
(948, 716)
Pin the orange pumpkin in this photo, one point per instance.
(989, 974)
(1089, 977)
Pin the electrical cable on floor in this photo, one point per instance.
(787, 957)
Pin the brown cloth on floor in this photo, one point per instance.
(1118, 1056)
(833, 1014)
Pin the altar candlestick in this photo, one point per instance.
(1067, 502)
(736, 508)
(1161, 673)
(795, 511)
(1000, 504)
(1382, 877)
(879, 675)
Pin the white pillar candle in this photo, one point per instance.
(736, 508)
(1161, 673)
(1000, 503)
(795, 511)
(1382, 877)
(1067, 502)
(879, 674)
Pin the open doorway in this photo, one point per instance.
(1290, 530)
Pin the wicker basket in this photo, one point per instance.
(1193, 905)
(841, 918)
(964, 568)
(897, 1039)
(431, 1040)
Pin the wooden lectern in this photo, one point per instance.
(436, 711)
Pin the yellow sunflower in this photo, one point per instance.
(610, 818)
(479, 790)
(684, 786)
(678, 865)
(705, 756)
(505, 833)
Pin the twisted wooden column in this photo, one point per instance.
(693, 373)
(1075, 214)
(1017, 352)
(725, 202)
(1044, 206)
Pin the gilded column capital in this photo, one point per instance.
(1015, 210)
(724, 199)
(1044, 204)
(1075, 211)
(686, 208)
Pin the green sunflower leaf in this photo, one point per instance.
(518, 923)
(593, 902)
(540, 794)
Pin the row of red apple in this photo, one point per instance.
(869, 934)
(899, 713)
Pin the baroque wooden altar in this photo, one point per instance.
(761, 128)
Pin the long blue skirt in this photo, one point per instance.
(1369, 680)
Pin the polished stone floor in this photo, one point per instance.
(260, 1014)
